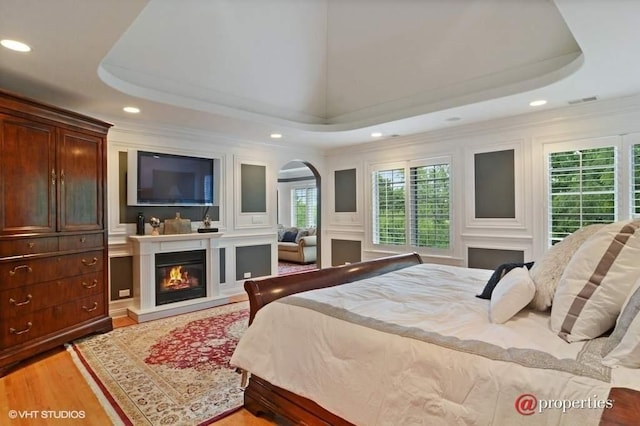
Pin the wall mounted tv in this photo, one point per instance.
(155, 178)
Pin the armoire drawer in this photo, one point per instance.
(23, 246)
(23, 300)
(31, 271)
(27, 327)
(85, 241)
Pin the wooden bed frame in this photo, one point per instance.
(263, 398)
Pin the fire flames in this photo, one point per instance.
(178, 279)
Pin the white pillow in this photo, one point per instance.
(596, 282)
(512, 293)
(623, 346)
(546, 271)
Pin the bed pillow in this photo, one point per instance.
(289, 237)
(623, 346)
(497, 275)
(547, 271)
(596, 282)
(512, 293)
(301, 234)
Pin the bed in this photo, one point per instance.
(397, 341)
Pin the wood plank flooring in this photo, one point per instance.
(51, 385)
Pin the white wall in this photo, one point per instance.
(238, 229)
(526, 134)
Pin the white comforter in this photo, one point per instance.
(416, 346)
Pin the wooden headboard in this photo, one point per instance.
(265, 290)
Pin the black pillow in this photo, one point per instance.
(500, 272)
(289, 237)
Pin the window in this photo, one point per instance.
(304, 206)
(582, 189)
(411, 206)
(636, 179)
(430, 206)
(388, 202)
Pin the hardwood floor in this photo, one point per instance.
(50, 385)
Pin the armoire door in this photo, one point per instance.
(80, 160)
(28, 176)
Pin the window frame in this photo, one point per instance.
(407, 165)
(629, 142)
(621, 175)
(293, 206)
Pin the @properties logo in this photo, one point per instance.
(526, 404)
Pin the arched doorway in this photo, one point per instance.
(299, 206)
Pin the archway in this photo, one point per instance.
(300, 203)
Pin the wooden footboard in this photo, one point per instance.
(263, 398)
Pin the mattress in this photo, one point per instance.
(415, 346)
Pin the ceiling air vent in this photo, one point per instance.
(583, 100)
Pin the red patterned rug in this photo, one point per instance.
(173, 371)
(285, 268)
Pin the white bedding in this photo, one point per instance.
(415, 346)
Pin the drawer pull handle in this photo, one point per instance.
(31, 245)
(90, 285)
(95, 306)
(87, 263)
(83, 240)
(17, 268)
(13, 302)
(16, 332)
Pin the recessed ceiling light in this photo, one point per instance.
(537, 103)
(376, 134)
(18, 46)
(131, 109)
(275, 135)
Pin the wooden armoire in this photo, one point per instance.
(53, 235)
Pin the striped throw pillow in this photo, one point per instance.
(596, 282)
(623, 346)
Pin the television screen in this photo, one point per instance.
(168, 179)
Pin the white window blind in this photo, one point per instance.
(582, 188)
(411, 205)
(430, 212)
(636, 179)
(389, 216)
(304, 206)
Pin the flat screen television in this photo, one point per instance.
(169, 180)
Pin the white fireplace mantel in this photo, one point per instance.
(145, 248)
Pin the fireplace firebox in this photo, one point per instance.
(180, 276)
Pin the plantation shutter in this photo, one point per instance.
(636, 179)
(304, 206)
(430, 213)
(389, 216)
(582, 189)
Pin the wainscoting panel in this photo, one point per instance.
(345, 251)
(485, 258)
(345, 191)
(494, 185)
(255, 260)
(121, 276)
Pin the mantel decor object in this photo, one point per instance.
(177, 225)
(155, 224)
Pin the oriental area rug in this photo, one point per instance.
(286, 268)
(172, 371)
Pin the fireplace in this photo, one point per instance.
(180, 276)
